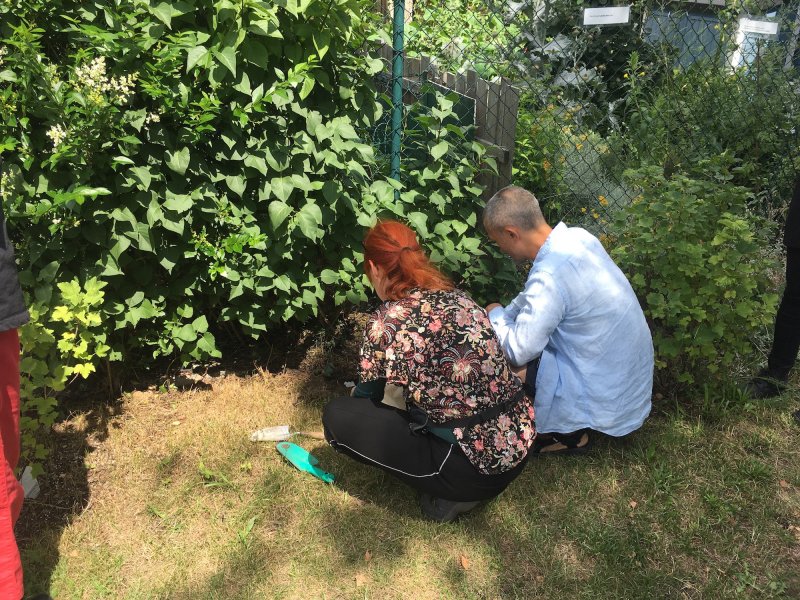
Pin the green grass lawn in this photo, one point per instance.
(176, 502)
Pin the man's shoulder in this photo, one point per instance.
(577, 234)
(577, 261)
(569, 248)
(577, 244)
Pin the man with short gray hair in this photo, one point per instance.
(576, 332)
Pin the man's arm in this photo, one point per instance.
(525, 326)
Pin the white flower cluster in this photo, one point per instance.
(3, 52)
(58, 134)
(5, 186)
(52, 71)
(92, 77)
(152, 118)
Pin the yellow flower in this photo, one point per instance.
(625, 76)
(583, 210)
(546, 165)
(602, 200)
(595, 215)
(578, 146)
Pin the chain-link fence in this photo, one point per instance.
(566, 97)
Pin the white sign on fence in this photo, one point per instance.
(610, 15)
(762, 27)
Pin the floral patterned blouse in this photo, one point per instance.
(441, 347)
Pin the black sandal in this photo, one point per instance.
(565, 444)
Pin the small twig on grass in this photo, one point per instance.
(261, 371)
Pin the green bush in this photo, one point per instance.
(440, 197)
(570, 167)
(442, 200)
(690, 248)
(203, 159)
(62, 342)
(462, 34)
(538, 150)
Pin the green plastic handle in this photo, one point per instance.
(301, 459)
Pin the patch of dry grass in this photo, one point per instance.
(179, 504)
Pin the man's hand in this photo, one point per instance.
(492, 306)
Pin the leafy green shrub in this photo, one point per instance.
(538, 157)
(441, 198)
(171, 168)
(202, 159)
(462, 34)
(63, 341)
(691, 251)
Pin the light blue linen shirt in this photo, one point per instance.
(579, 312)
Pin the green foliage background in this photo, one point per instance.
(207, 191)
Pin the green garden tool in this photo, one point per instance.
(301, 459)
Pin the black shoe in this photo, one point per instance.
(762, 386)
(565, 444)
(444, 511)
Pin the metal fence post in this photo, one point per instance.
(398, 31)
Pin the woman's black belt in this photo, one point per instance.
(421, 423)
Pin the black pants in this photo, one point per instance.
(787, 322)
(378, 435)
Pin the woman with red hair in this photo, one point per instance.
(468, 425)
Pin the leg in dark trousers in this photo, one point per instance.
(379, 436)
(786, 341)
(787, 322)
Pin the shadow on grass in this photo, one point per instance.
(336, 529)
(380, 537)
(65, 489)
(86, 417)
(564, 525)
